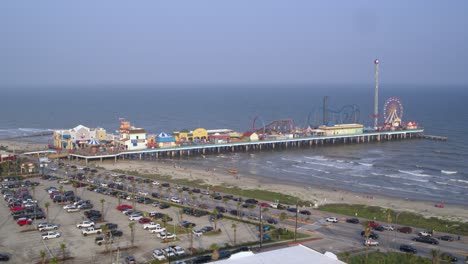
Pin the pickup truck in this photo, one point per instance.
(157, 230)
(151, 225)
(85, 224)
(90, 231)
(48, 235)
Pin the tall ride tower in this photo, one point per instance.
(376, 95)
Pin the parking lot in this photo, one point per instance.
(25, 243)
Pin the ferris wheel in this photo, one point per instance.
(393, 110)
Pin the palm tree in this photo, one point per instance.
(435, 256)
(46, 205)
(54, 260)
(347, 255)
(367, 233)
(63, 247)
(181, 215)
(164, 219)
(105, 231)
(238, 209)
(215, 255)
(43, 255)
(131, 225)
(215, 218)
(102, 208)
(119, 199)
(234, 227)
(190, 229)
(61, 189)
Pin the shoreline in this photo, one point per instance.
(316, 194)
(22, 146)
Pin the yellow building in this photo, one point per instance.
(343, 129)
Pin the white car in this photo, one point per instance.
(175, 199)
(179, 251)
(197, 233)
(151, 225)
(72, 210)
(69, 206)
(142, 193)
(158, 254)
(64, 181)
(389, 227)
(332, 219)
(135, 217)
(370, 242)
(155, 183)
(85, 224)
(168, 252)
(49, 235)
(46, 227)
(166, 235)
(425, 234)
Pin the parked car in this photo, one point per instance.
(446, 238)
(197, 233)
(428, 240)
(52, 234)
(116, 233)
(408, 249)
(272, 221)
(24, 221)
(379, 228)
(46, 227)
(124, 206)
(4, 257)
(371, 242)
(372, 235)
(405, 229)
(331, 219)
(158, 254)
(352, 220)
(130, 260)
(425, 233)
(389, 227)
(305, 212)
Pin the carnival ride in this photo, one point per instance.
(393, 113)
(281, 126)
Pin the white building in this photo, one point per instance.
(297, 254)
(134, 139)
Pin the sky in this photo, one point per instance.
(108, 42)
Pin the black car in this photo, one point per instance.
(292, 209)
(111, 226)
(164, 206)
(272, 221)
(251, 201)
(352, 220)
(187, 224)
(224, 254)
(372, 235)
(379, 228)
(155, 194)
(116, 233)
(408, 249)
(221, 209)
(305, 212)
(4, 257)
(446, 238)
(185, 189)
(217, 217)
(165, 184)
(196, 190)
(228, 196)
(428, 240)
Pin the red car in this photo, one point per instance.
(264, 204)
(144, 220)
(373, 224)
(123, 207)
(16, 208)
(24, 221)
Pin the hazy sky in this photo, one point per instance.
(231, 42)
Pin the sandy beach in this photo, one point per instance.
(316, 194)
(21, 146)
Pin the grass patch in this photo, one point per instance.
(378, 257)
(404, 218)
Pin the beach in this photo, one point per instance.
(317, 194)
(22, 146)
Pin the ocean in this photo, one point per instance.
(414, 169)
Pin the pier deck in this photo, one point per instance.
(252, 145)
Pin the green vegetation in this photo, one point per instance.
(377, 257)
(397, 218)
